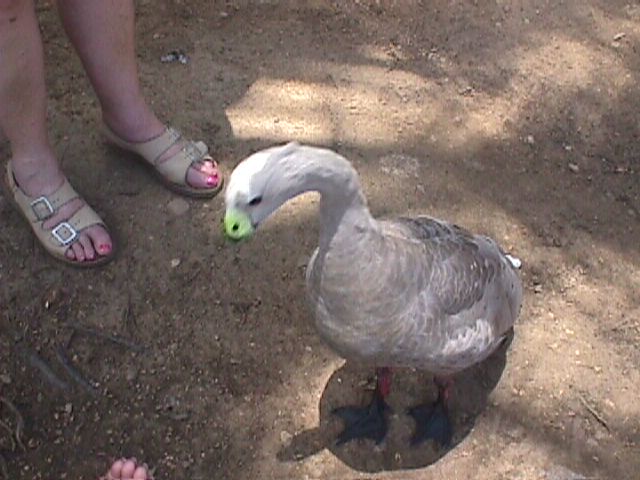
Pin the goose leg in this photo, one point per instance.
(369, 421)
(432, 420)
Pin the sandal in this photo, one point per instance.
(172, 172)
(37, 210)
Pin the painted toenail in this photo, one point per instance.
(105, 248)
(212, 180)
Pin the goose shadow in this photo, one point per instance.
(352, 385)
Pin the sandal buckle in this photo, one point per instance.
(42, 208)
(64, 233)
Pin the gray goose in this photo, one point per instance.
(405, 292)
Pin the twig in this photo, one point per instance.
(74, 373)
(107, 336)
(3, 468)
(47, 373)
(594, 412)
(10, 432)
(128, 317)
(19, 421)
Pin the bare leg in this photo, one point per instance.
(102, 32)
(127, 469)
(23, 119)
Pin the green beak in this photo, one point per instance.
(237, 225)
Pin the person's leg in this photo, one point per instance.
(23, 120)
(102, 32)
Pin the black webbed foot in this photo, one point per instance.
(432, 423)
(364, 422)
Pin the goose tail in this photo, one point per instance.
(515, 261)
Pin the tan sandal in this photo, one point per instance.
(172, 172)
(37, 210)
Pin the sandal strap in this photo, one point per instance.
(67, 232)
(38, 209)
(175, 168)
(151, 150)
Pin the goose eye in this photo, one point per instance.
(255, 201)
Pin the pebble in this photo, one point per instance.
(6, 379)
(178, 206)
(131, 373)
(285, 437)
(175, 262)
(574, 167)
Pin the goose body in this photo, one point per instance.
(404, 292)
(413, 292)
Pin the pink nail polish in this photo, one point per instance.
(212, 180)
(105, 248)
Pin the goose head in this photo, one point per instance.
(257, 187)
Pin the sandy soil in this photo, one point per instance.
(517, 119)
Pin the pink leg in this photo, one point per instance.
(23, 119)
(102, 32)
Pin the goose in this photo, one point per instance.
(387, 293)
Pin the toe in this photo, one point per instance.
(116, 469)
(140, 473)
(87, 247)
(202, 176)
(78, 252)
(101, 242)
(208, 167)
(128, 470)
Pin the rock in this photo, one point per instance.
(131, 373)
(285, 437)
(178, 206)
(574, 167)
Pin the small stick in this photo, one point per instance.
(594, 412)
(19, 421)
(107, 336)
(46, 371)
(11, 433)
(74, 372)
(3, 468)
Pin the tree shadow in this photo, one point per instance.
(347, 387)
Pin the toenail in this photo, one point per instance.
(105, 248)
(212, 180)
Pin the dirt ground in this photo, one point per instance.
(517, 119)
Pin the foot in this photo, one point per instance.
(127, 469)
(364, 422)
(432, 423)
(43, 177)
(204, 174)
